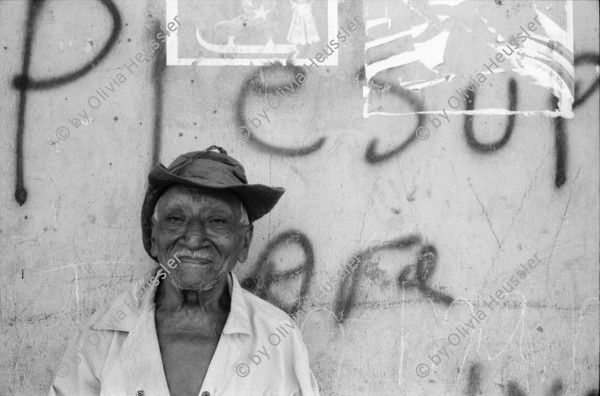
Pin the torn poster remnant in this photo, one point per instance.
(434, 46)
(250, 32)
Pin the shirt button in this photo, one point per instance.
(205, 393)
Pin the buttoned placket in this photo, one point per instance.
(142, 362)
(229, 349)
(219, 372)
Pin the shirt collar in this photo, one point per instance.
(124, 311)
(238, 320)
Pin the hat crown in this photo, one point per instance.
(209, 165)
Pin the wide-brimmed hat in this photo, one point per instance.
(206, 169)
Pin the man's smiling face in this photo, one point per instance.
(204, 229)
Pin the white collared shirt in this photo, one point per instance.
(116, 352)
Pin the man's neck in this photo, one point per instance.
(213, 301)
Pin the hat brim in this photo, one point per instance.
(258, 199)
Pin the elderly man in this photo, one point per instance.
(190, 329)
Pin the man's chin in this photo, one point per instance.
(193, 282)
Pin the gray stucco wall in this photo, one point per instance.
(427, 233)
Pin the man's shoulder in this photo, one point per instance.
(271, 324)
(120, 313)
(263, 311)
(95, 335)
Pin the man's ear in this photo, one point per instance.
(243, 255)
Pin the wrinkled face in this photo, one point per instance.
(203, 230)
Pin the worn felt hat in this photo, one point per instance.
(206, 169)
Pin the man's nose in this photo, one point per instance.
(195, 236)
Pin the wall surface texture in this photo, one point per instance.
(389, 246)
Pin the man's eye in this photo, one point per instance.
(174, 219)
(218, 220)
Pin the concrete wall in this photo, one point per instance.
(423, 235)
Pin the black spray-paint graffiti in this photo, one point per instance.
(264, 275)
(416, 276)
(412, 99)
(475, 145)
(256, 83)
(413, 276)
(474, 379)
(588, 58)
(513, 99)
(24, 82)
(560, 146)
(560, 135)
(158, 71)
(512, 387)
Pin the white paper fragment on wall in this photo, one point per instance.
(445, 2)
(431, 52)
(250, 32)
(414, 32)
(424, 46)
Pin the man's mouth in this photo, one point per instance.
(194, 260)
